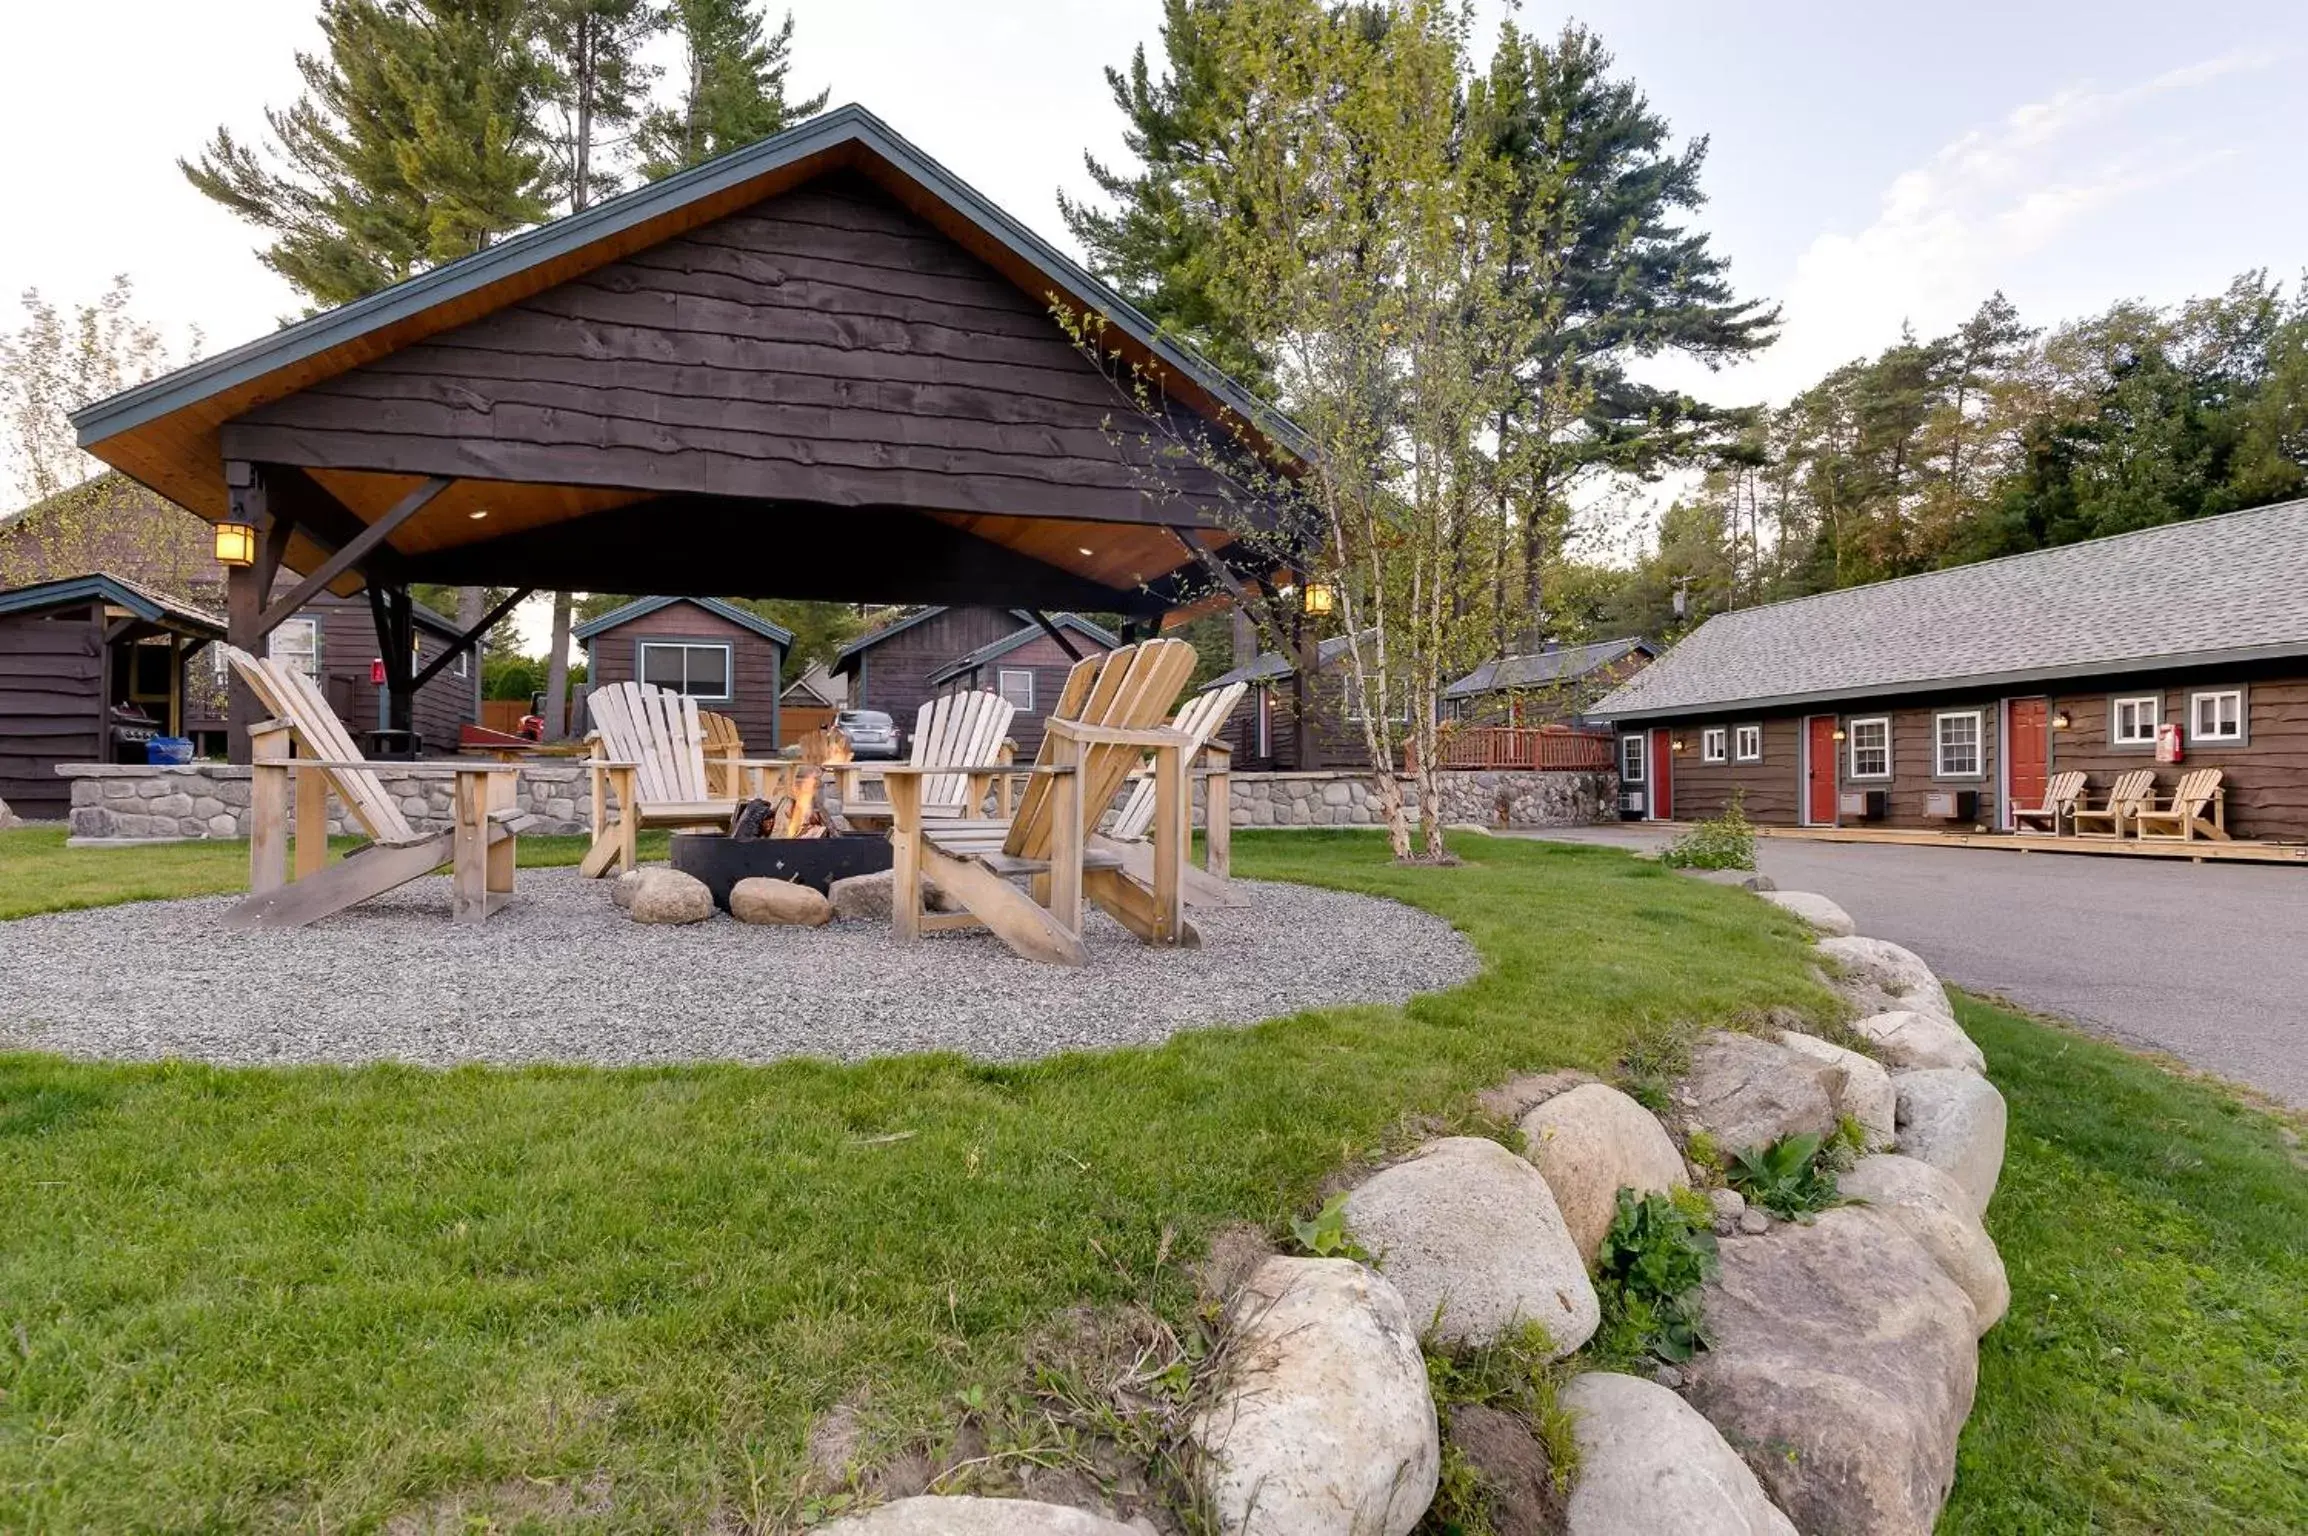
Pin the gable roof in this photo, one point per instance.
(164, 431)
(154, 607)
(1271, 666)
(713, 605)
(2213, 591)
(1541, 669)
(816, 683)
(995, 649)
(884, 631)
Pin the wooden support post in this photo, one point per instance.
(391, 611)
(468, 865)
(1172, 817)
(905, 792)
(312, 849)
(1218, 812)
(268, 807)
(503, 787)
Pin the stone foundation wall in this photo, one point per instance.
(132, 803)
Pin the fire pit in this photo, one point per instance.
(790, 838)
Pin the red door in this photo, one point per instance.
(1819, 771)
(1662, 775)
(2027, 752)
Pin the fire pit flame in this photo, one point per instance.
(800, 811)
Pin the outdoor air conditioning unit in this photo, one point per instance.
(1631, 804)
(1863, 805)
(1952, 804)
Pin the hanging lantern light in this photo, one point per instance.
(1320, 599)
(235, 545)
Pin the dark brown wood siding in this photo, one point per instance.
(893, 675)
(1049, 664)
(348, 646)
(825, 345)
(2266, 775)
(51, 705)
(756, 662)
(1336, 741)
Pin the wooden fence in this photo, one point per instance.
(1558, 747)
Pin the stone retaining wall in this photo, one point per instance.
(133, 803)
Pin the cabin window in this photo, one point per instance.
(1713, 743)
(2216, 716)
(1631, 759)
(297, 642)
(1016, 686)
(1956, 739)
(1747, 743)
(1870, 748)
(699, 669)
(2132, 720)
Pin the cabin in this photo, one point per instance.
(1263, 730)
(811, 702)
(727, 658)
(1941, 701)
(91, 668)
(1546, 686)
(902, 663)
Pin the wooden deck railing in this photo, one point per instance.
(1507, 746)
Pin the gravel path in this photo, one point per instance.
(561, 975)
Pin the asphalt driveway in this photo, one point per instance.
(2206, 961)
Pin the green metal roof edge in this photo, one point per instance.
(768, 629)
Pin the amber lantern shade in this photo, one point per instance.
(235, 545)
(1319, 598)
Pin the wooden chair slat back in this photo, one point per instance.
(1201, 718)
(2194, 796)
(2063, 790)
(1073, 698)
(1148, 683)
(958, 730)
(292, 698)
(2133, 790)
(659, 732)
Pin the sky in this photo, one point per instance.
(1869, 166)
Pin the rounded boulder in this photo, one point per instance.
(1881, 970)
(1934, 1210)
(1910, 1039)
(1747, 1092)
(1592, 1142)
(778, 902)
(669, 896)
(1651, 1463)
(1470, 1235)
(1324, 1422)
(1823, 915)
(1955, 1121)
(959, 1515)
(1865, 1092)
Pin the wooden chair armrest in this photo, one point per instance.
(411, 770)
(1114, 736)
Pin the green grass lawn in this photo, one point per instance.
(326, 1298)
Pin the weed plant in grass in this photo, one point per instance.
(316, 1297)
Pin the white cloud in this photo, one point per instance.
(1950, 231)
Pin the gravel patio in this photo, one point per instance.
(562, 976)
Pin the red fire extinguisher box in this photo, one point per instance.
(2168, 746)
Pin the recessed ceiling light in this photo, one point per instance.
(1087, 550)
(478, 514)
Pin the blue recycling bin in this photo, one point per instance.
(168, 751)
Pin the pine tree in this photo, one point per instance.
(733, 87)
(414, 143)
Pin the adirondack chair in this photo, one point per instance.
(478, 846)
(724, 748)
(2061, 795)
(2186, 817)
(648, 750)
(1199, 719)
(960, 731)
(1108, 717)
(2134, 793)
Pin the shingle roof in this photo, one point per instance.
(713, 605)
(2216, 590)
(1540, 669)
(1272, 665)
(995, 649)
(147, 603)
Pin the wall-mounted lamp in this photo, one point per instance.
(1320, 598)
(1838, 734)
(2061, 722)
(235, 545)
(1678, 744)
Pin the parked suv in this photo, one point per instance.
(871, 733)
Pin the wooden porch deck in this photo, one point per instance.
(2198, 850)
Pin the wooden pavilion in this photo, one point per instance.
(819, 367)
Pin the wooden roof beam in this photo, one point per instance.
(351, 553)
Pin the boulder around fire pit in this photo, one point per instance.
(816, 862)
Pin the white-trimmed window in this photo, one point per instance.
(1016, 686)
(1714, 743)
(297, 642)
(1631, 759)
(698, 668)
(1870, 742)
(2216, 715)
(1747, 743)
(1955, 741)
(2133, 718)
